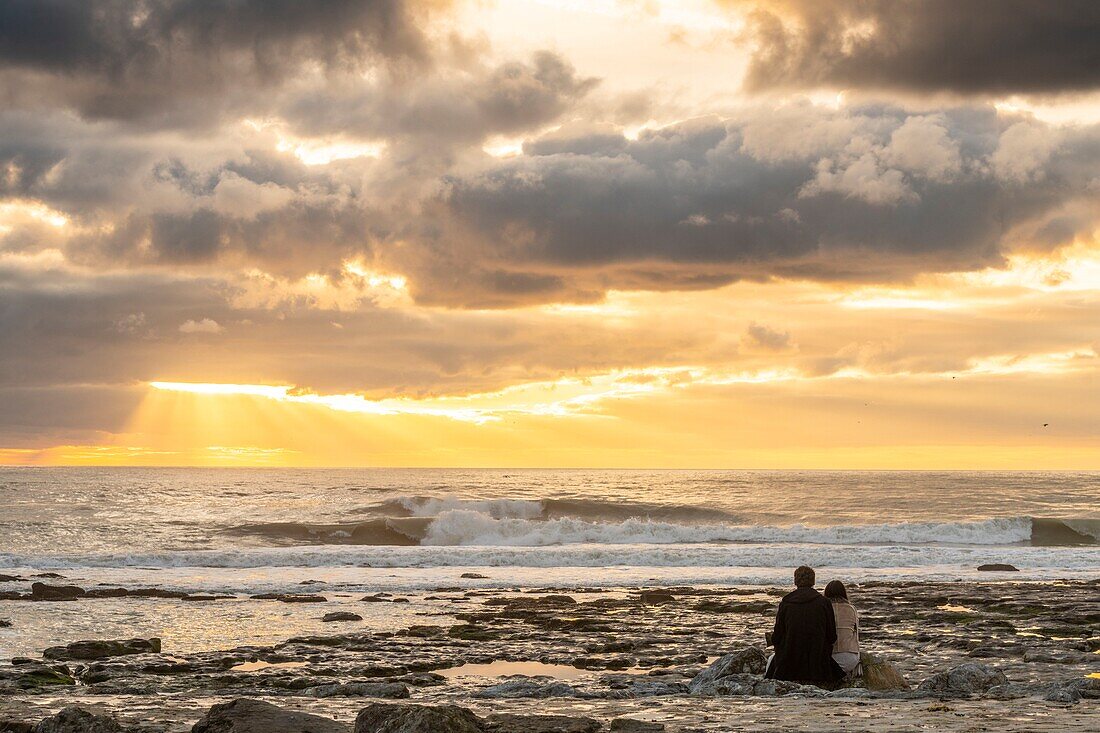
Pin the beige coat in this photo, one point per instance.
(847, 628)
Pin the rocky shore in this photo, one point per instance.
(581, 659)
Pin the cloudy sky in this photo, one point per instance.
(728, 233)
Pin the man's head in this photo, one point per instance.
(804, 577)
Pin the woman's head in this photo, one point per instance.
(835, 591)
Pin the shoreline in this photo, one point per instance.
(630, 652)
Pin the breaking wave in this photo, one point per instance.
(512, 523)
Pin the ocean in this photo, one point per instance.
(543, 525)
(346, 532)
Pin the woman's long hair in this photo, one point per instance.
(835, 591)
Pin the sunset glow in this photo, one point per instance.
(681, 232)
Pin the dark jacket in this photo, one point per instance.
(805, 630)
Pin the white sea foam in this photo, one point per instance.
(752, 555)
(469, 527)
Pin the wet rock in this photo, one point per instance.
(9, 578)
(376, 598)
(511, 723)
(654, 688)
(997, 567)
(101, 649)
(966, 679)
(1049, 656)
(1067, 695)
(4, 623)
(54, 576)
(631, 725)
(74, 719)
(44, 592)
(716, 606)
(474, 576)
(654, 597)
(749, 660)
(290, 597)
(255, 716)
(471, 632)
(527, 687)
(34, 675)
(423, 631)
(341, 616)
(135, 593)
(7, 725)
(881, 676)
(388, 690)
(391, 718)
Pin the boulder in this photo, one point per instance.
(341, 616)
(77, 720)
(880, 675)
(256, 716)
(966, 679)
(749, 660)
(512, 723)
(389, 690)
(101, 649)
(4, 623)
(997, 567)
(474, 576)
(396, 718)
(9, 578)
(44, 592)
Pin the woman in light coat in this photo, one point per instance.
(846, 647)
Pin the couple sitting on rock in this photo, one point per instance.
(816, 637)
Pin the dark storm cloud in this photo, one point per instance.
(131, 59)
(864, 194)
(969, 47)
(507, 99)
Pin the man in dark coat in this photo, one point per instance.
(805, 630)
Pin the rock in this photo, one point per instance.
(880, 675)
(471, 632)
(256, 716)
(423, 631)
(43, 592)
(749, 660)
(341, 616)
(474, 576)
(9, 578)
(100, 649)
(376, 598)
(715, 606)
(290, 597)
(77, 720)
(1067, 695)
(512, 723)
(390, 690)
(654, 597)
(393, 718)
(996, 567)
(521, 687)
(4, 623)
(55, 576)
(34, 675)
(8, 725)
(1049, 656)
(966, 679)
(630, 725)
